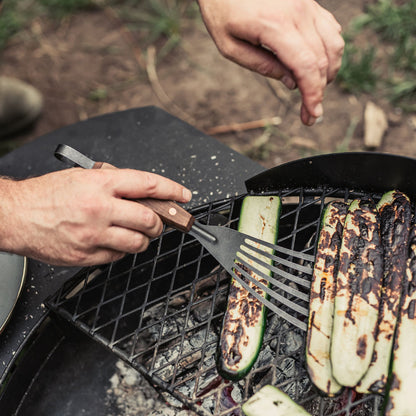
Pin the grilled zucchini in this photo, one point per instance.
(270, 401)
(244, 320)
(401, 399)
(395, 213)
(321, 304)
(357, 296)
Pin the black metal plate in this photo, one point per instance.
(373, 172)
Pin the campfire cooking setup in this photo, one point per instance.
(173, 313)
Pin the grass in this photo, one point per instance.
(155, 21)
(17, 14)
(158, 21)
(357, 73)
(13, 17)
(392, 24)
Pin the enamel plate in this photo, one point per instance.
(12, 277)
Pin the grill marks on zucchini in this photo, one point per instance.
(357, 294)
(395, 212)
(321, 304)
(244, 320)
(401, 399)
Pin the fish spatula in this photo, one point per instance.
(244, 257)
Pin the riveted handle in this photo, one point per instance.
(169, 212)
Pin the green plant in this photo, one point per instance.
(158, 20)
(13, 17)
(98, 94)
(395, 23)
(403, 93)
(357, 73)
(391, 29)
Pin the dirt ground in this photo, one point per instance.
(90, 64)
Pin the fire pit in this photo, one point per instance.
(146, 138)
(161, 311)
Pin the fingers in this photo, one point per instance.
(313, 52)
(134, 216)
(133, 184)
(297, 42)
(328, 28)
(257, 59)
(116, 243)
(125, 240)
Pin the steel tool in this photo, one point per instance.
(238, 253)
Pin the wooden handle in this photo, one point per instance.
(169, 212)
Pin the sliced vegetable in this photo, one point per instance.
(401, 399)
(270, 401)
(243, 325)
(357, 296)
(321, 304)
(395, 213)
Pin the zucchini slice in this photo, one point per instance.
(357, 296)
(270, 401)
(321, 303)
(401, 399)
(244, 320)
(396, 214)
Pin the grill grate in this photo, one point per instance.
(161, 311)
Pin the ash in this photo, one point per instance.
(130, 394)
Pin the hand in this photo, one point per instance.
(296, 41)
(80, 217)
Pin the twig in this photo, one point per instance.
(249, 125)
(159, 91)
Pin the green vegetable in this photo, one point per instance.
(401, 398)
(396, 213)
(357, 296)
(244, 320)
(270, 401)
(321, 304)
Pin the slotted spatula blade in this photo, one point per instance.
(240, 254)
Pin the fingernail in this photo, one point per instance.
(311, 121)
(319, 110)
(289, 82)
(187, 195)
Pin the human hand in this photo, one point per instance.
(297, 42)
(82, 217)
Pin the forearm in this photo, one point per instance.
(10, 213)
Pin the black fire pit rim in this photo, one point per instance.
(370, 171)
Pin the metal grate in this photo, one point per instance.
(161, 311)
